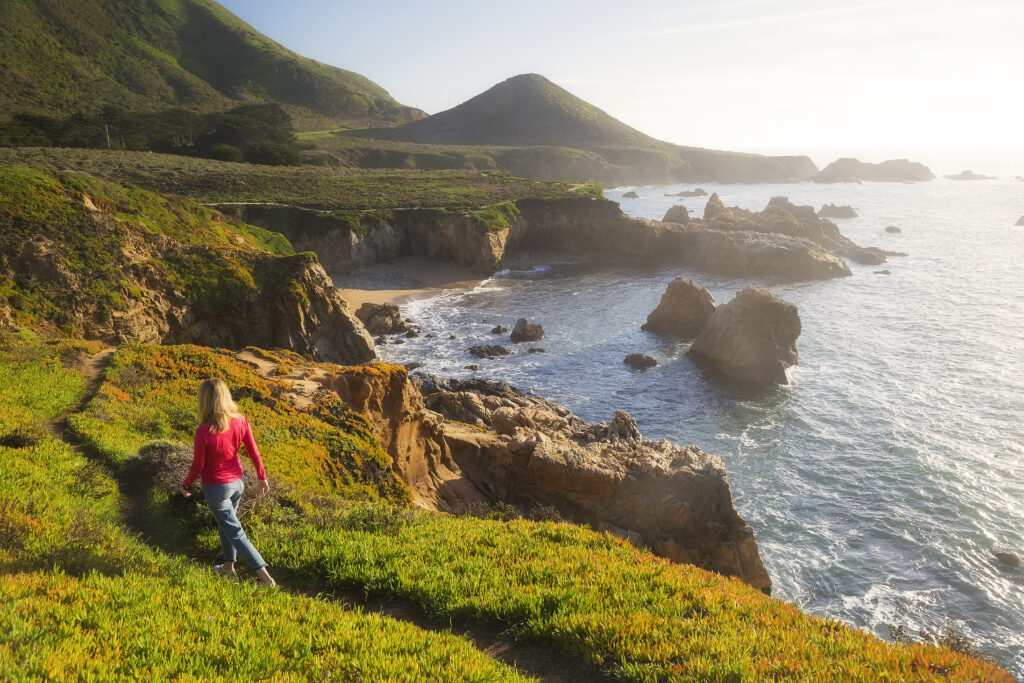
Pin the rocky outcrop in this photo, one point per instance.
(630, 195)
(475, 441)
(855, 171)
(836, 211)
(677, 214)
(969, 175)
(683, 311)
(673, 500)
(639, 361)
(121, 280)
(488, 350)
(785, 218)
(751, 339)
(725, 244)
(382, 319)
(699, 192)
(525, 331)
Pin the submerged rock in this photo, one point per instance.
(677, 214)
(631, 195)
(639, 361)
(683, 310)
(382, 319)
(525, 331)
(892, 229)
(751, 339)
(699, 192)
(536, 349)
(488, 350)
(835, 211)
(882, 272)
(1007, 559)
(499, 329)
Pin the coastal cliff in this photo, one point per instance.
(104, 262)
(482, 240)
(472, 442)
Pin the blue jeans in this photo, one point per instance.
(223, 500)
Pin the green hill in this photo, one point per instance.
(524, 110)
(529, 111)
(59, 58)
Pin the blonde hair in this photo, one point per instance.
(215, 405)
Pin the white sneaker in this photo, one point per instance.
(223, 570)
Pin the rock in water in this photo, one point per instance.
(751, 339)
(382, 319)
(525, 331)
(893, 229)
(488, 350)
(699, 192)
(677, 214)
(684, 309)
(639, 361)
(1007, 559)
(1020, 221)
(631, 195)
(499, 329)
(835, 211)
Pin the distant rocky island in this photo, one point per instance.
(850, 170)
(969, 175)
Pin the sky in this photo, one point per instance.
(868, 78)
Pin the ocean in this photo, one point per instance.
(882, 479)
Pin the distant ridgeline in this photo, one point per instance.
(529, 126)
(257, 133)
(188, 77)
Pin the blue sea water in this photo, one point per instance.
(880, 481)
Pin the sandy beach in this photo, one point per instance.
(402, 280)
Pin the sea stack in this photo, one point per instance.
(836, 211)
(751, 339)
(683, 311)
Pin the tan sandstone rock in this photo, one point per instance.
(683, 310)
(751, 339)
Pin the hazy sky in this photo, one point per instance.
(751, 75)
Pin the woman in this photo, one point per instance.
(222, 429)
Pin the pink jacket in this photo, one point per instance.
(215, 456)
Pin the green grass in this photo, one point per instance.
(210, 181)
(63, 58)
(97, 247)
(82, 598)
(496, 217)
(590, 596)
(150, 395)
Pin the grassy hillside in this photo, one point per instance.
(523, 110)
(62, 57)
(75, 577)
(75, 251)
(205, 180)
(83, 598)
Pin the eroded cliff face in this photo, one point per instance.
(578, 226)
(476, 442)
